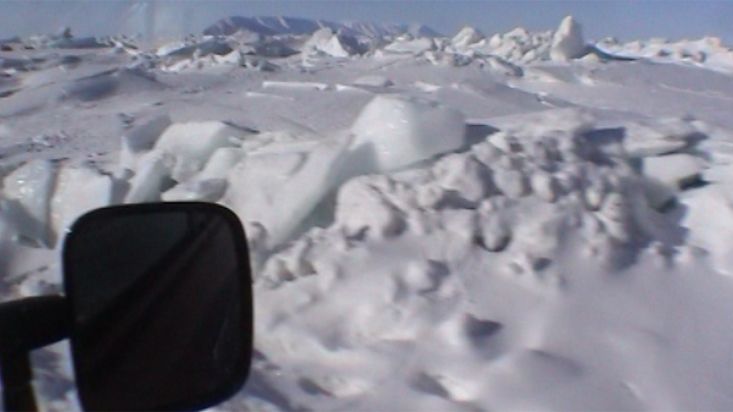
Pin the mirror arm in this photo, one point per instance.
(32, 323)
(25, 325)
(16, 380)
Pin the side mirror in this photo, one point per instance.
(160, 299)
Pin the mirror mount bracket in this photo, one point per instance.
(16, 377)
(25, 325)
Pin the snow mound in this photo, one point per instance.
(567, 42)
(676, 171)
(660, 137)
(110, 83)
(712, 235)
(381, 218)
(392, 132)
(525, 193)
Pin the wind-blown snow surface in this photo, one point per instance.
(521, 221)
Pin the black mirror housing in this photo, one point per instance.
(161, 302)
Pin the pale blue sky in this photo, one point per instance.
(624, 19)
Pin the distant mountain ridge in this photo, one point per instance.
(270, 26)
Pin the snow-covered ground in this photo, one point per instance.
(521, 221)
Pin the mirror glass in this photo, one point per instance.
(161, 304)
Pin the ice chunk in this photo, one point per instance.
(659, 137)
(486, 153)
(205, 190)
(31, 187)
(333, 44)
(256, 63)
(65, 40)
(567, 43)
(430, 196)
(373, 81)
(676, 171)
(506, 142)
(8, 233)
(556, 123)
(504, 67)
(273, 84)
(200, 49)
(211, 184)
(658, 195)
(144, 136)
(153, 174)
(411, 46)
(192, 143)
(351, 89)
(466, 37)
(426, 87)
(170, 48)
(80, 43)
(280, 188)
(221, 163)
(392, 132)
(448, 59)
(78, 189)
(141, 139)
(273, 48)
(653, 147)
